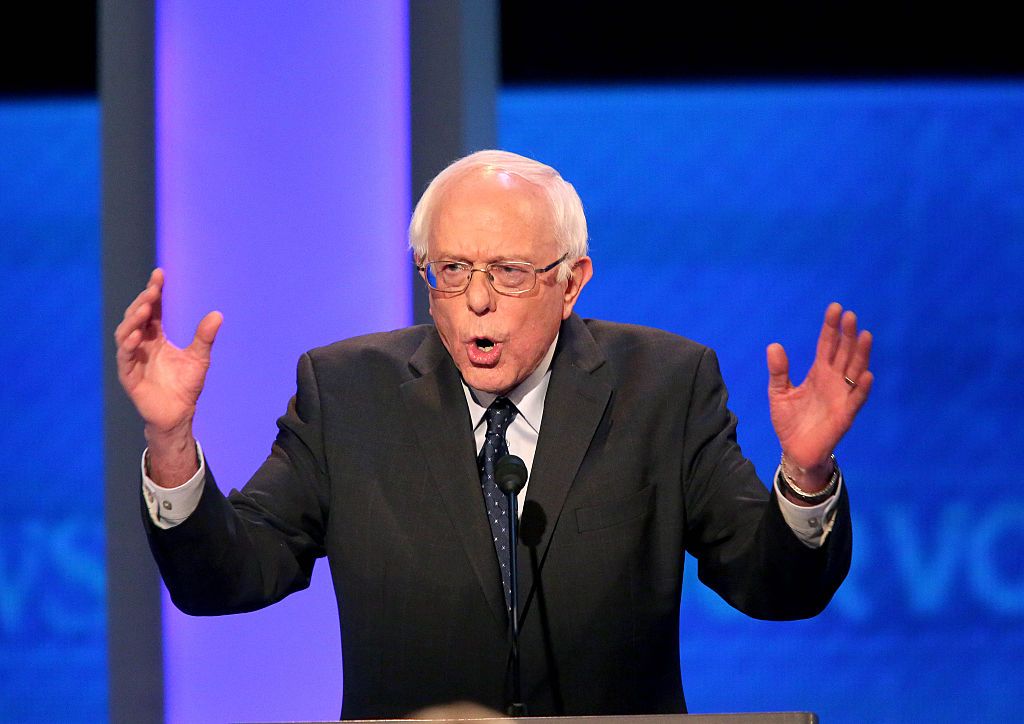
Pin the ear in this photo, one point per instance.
(423, 275)
(582, 270)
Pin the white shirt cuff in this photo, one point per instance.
(811, 525)
(170, 506)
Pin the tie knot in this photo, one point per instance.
(498, 416)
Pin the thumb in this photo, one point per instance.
(778, 368)
(206, 332)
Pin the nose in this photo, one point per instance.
(480, 295)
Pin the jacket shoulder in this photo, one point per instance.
(382, 352)
(617, 339)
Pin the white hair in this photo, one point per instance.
(570, 224)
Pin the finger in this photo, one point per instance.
(828, 339)
(861, 356)
(126, 350)
(126, 357)
(146, 296)
(206, 333)
(156, 283)
(138, 319)
(778, 368)
(141, 320)
(859, 394)
(152, 295)
(847, 340)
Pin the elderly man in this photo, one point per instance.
(383, 463)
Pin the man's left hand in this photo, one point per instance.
(812, 418)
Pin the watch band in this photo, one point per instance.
(786, 483)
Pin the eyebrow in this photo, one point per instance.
(489, 260)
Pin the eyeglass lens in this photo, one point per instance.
(449, 276)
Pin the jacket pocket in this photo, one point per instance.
(615, 512)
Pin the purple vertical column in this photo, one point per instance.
(282, 185)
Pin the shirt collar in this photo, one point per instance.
(528, 396)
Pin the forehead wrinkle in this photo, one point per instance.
(482, 261)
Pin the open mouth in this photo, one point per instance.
(484, 351)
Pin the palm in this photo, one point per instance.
(811, 419)
(162, 380)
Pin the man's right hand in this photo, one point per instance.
(164, 381)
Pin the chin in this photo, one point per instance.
(487, 380)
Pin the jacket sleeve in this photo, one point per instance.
(253, 547)
(745, 550)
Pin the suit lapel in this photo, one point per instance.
(434, 402)
(575, 403)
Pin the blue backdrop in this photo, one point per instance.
(52, 625)
(733, 215)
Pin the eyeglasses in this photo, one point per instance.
(511, 278)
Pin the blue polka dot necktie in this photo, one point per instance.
(498, 416)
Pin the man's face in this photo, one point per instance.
(496, 341)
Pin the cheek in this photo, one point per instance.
(539, 326)
(443, 323)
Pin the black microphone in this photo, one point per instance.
(510, 475)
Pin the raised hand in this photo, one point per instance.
(162, 380)
(811, 419)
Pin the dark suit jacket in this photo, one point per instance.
(374, 467)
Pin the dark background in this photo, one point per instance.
(50, 48)
(585, 41)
